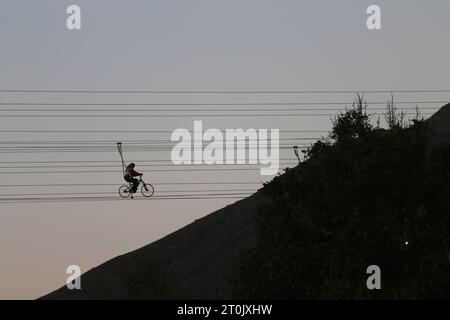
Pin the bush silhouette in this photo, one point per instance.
(368, 197)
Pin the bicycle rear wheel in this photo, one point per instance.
(124, 191)
(147, 190)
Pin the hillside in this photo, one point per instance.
(366, 197)
(195, 262)
(440, 122)
(373, 196)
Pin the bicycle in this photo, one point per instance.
(147, 189)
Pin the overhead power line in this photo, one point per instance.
(203, 110)
(104, 161)
(223, 91)
(164, 193)
(9, 109)
(203, 104)
(115, 171)
(120, 183)
(136, 142)
(141, 165)
(182, 115)
(35, 150)
(53, 166)
(85, 199)
(131, 131)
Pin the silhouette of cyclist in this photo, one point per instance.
(130, 173)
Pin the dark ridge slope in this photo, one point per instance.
(195, 262)
(440, 122)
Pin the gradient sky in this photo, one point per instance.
(186, 45)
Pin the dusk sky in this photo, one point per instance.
(168, 45)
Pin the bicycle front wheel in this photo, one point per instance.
(147, 190)
(124, 191)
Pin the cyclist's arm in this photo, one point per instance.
(135, 173)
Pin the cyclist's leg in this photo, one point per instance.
(128, 179)
(135, 184)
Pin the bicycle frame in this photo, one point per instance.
(140, 181)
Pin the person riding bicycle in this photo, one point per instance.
(130, 173)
